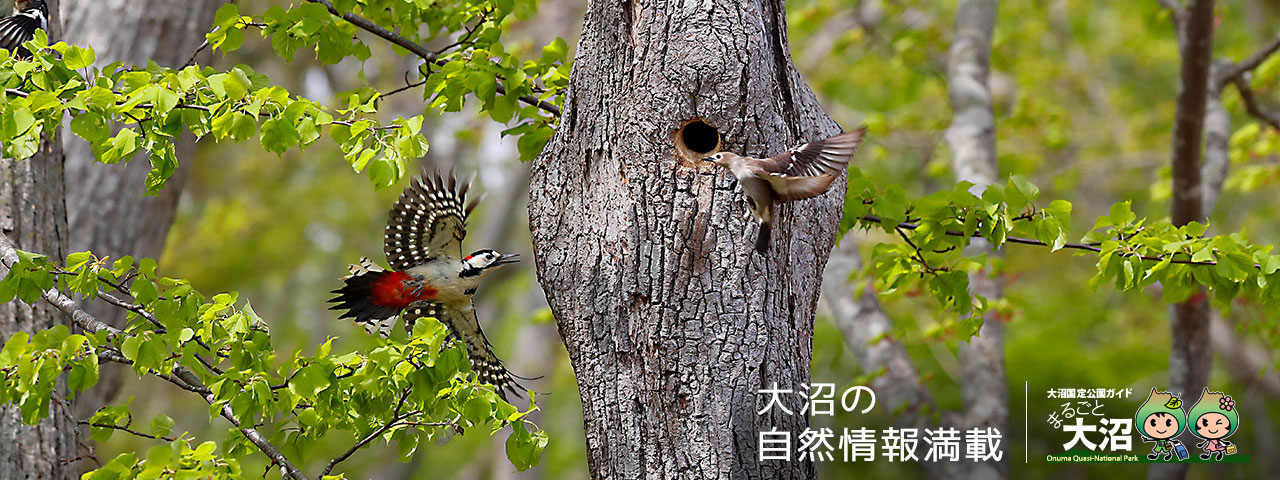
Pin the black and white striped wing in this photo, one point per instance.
(428, 221)
(17, 29)
(463, 324)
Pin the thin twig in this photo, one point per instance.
(1251, 103)
(1250, 63)
(1030, 241)
(919, 256)
(192, 61)
(126, 429)
(395, 417)
(405, 87)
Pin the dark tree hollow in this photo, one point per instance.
(699, 138)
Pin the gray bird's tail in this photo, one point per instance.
(762, 241)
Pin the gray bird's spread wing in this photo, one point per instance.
(429, 220)
(808, 169)
(463, 324)
(788, 189)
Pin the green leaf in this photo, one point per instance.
(91, 126)
(161, 425)
(1120, 214)
(477, 410)
(556, 51)
(279, 135)
(531, 144)
(76, 57)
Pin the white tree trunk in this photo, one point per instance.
(973, 143)
(672, 321)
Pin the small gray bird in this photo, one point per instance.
(804, 171)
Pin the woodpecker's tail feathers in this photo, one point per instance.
(762, 240)
(355, 299)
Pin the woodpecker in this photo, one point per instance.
(16, 29)
(804, 171)
(429, 276)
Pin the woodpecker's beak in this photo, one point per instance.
(506, 258)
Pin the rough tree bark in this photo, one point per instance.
(672, 322)
(1189, 354)
(972, 139)
(33, 214)
(107, 209)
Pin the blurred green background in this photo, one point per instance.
(1084, 92)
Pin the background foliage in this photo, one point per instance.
(1084, 91)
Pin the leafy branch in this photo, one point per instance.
(173, 329)
(181, 377)
(1132, 252)
(475, 63)
(427, 55)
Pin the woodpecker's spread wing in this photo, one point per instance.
(428, 221)
(20, 27)
(463, 324)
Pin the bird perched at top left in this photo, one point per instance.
(16, 29)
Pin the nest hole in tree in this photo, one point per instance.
(696, 139)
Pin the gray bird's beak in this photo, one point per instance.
(708, 159)
(507, 258)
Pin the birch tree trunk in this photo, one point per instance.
(107, 209)
(972, 139)
(34, 215)
(672, 322)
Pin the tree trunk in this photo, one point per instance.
(672, 322)
(1189, 354)
(972, 138)
(107, 209)
(34, 215)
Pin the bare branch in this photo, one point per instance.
(1175, 8)
(1251, 103)
(192, 61)
(1250, 63)
(182, 377)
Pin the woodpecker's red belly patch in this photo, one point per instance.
(390, 291)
